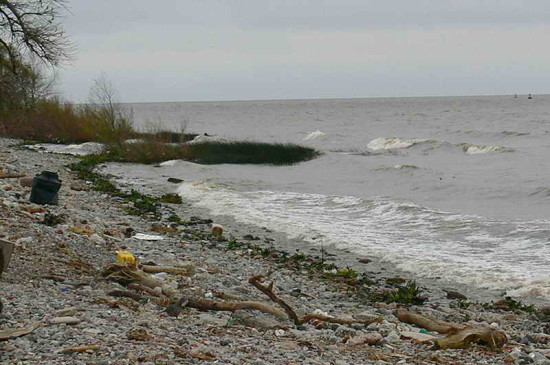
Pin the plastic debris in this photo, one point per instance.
(125, 256)
(147, 237)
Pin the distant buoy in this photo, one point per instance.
(530, 96)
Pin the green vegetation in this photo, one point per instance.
(31, 30)
(142, 204)
(246, 152)
(410, 293)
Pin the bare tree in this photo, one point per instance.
(33, 27)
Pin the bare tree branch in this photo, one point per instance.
(32, 27)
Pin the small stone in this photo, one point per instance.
(97, 238)
(371, 338)
(451, 294)
(392, 337)
(26, 181)
(174, 180)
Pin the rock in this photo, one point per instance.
(455, 295)
(259, 321)
(543, 313)
(539, 359)
(97, 239)
(138, 334)
(392, 337)
(51, 219)
(175, 309)
(26, 181)
(371, 338)
(199, 220)
(174, 180)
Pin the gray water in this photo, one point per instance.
(450, 187)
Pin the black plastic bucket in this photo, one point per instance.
(45, 187)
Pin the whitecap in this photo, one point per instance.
(314, 135)
(83, 149)
(471, 149)
(394, 143)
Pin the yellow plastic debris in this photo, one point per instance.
(125, 256)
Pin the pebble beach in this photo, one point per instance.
(54, 291)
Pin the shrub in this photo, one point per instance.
(246, 152)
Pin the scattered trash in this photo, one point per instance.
(125, 256)
(147, 237)
(45, 188)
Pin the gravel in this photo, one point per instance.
(54, 279)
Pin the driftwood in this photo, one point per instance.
(126, 274)
(207, 304)
(11, 176)
(268, 290)
(81, 349)
(483, 335)
(17, 332)
(457, 335)
(430, 324)
(130, 275)
(151, 269)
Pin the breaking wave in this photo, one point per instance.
(396, 143)
(385, 144)
(314, 135)
(471, 149)
(429, 243)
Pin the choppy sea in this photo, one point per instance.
(450, 187)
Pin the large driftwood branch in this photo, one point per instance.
(126, 274)
(268, 290)
(430, 324)
(207, 304)
(167, 269)
(458, 335)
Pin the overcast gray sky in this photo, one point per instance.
(180, 50)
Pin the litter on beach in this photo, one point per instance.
(147, 237)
